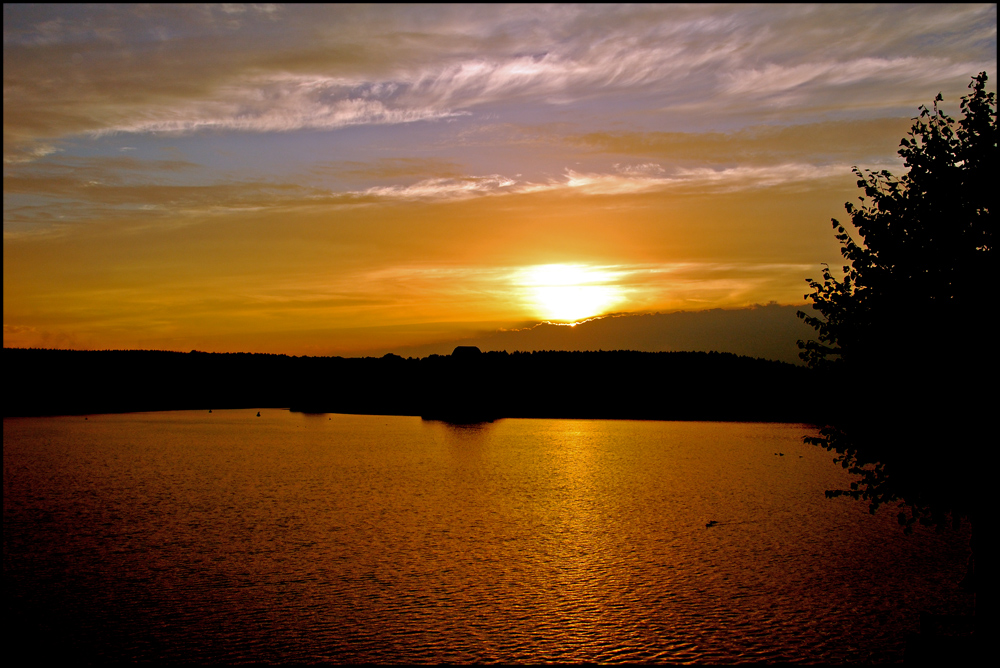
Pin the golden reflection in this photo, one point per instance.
(569, 292)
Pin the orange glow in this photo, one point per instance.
(264, 186)
(569, 292)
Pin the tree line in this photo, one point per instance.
(466, 386)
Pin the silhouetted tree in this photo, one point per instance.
(903, 337)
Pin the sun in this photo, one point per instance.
(567, 293)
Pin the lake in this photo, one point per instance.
(226, 537)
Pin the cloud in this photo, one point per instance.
(645, 169)
(278, 105)
(462, 188)
(770, 331)
(630, 180)
(703, 179)
(857, 140)
(871, 82)
(27, 153)
(109, 188)
(265, 69)
(43, 196)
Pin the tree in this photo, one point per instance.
(903, 336)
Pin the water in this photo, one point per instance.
(224, 537)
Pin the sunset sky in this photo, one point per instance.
(356, 180)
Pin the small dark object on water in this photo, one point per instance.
(711, 524)
(258, 413)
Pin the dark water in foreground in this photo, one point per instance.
(225, 537)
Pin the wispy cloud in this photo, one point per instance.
(27, 153)
(626, 181)
(279, 105)
(460, 188)
(118, 188)
(202, 68)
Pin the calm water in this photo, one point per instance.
(225, 537)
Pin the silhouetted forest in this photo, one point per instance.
(467, 386)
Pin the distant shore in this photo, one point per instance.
(467, 386)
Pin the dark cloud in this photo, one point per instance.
(769, 331)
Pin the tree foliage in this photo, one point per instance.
(902, 335)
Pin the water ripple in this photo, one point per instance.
(172, 537)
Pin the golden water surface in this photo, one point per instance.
(227, 537)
